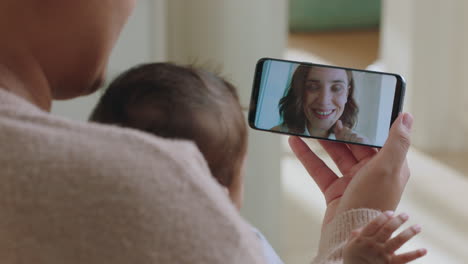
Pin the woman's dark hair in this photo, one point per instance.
(178, 102)
(291, 105)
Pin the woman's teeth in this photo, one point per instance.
(323, 113)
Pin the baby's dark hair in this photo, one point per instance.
(179, 102)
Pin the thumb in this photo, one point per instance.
(398, 142)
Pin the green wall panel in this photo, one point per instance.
(322, 15)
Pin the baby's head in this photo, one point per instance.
(183, 103)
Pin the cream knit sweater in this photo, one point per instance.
(75, 192)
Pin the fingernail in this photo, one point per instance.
(416, 228)
(389, 213)
(404, 216)
(407, 121)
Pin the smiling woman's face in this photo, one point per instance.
(325, 96)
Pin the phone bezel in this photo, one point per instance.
(396, 108)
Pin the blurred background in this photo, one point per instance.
(423, 40)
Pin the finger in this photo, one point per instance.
(355, 233)
(398, 142)
(348, 134)
(408, 257)
(358, 230)
(360, 140)
(395, 243)
(340, 154)
(386, 231)
(364, 140)
(338, 129)
(316, 168)
(371, 228)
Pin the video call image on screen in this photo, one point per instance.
(325, 102)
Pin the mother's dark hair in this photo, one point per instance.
(291, 105)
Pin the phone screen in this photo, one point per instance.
(326, 102)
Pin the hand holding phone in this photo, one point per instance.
(369, 178)
(325, 102)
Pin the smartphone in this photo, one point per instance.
(325, 102)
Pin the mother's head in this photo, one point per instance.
(316, 98)
(69, 42)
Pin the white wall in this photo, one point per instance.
(230, 36)
(276, 80)
(427, 42)
(367, 93)
(385, 108)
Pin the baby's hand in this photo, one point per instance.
(372, 244)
